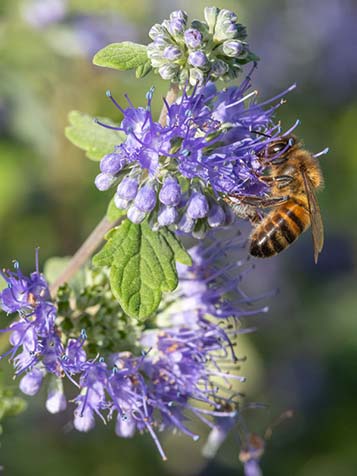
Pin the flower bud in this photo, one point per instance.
(197, 59)
(197, 206)
(233, 48)
(168, 71)
(170, 193)
(135, 215)
(216, 216)
(157, 30)
(125, 426)
(167, 216)
(219, 68)
(30, 384)
(104, 181)
(210, 14)
(172, 53)
(193, 38)
(120, 203)
(56, 401)
(186, 224)
(225, 15)
(112, 163)
(196, 76)
(145, 199)
(127, 189)
(83, 420)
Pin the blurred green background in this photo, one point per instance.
(304, 356)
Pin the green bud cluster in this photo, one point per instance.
(204, 50)
(92, 308)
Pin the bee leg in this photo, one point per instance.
(281, 181)
(262, 202)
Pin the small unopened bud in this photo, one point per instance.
(104, 181)
(197, 206)
(167, 216)
(135, 215)
(193, 38)
(233, 48)
(145, 199)
(170, 193)
(127, 189)
(172, 53)
(198, 59)
(168, 71)
(211, 14)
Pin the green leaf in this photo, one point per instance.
(143, 69)
(114, 213)
(142, 266)
(122, 56)
(175, 244)
(96, 140)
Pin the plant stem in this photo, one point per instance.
(171, 97)
(97, 235)
(84, 252)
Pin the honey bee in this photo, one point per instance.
(293, 175)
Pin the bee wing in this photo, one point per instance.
(317, 227)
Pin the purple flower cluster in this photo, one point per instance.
(213, 49)
(178, 173)
(150, 392)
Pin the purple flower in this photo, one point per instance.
(135, 215)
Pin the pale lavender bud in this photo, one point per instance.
(233, 48)
(172, 53)
(125, 426)
(56, 401)
(83, 419)
(128, 188)
(216, 216)
(145, 199)
(112, 163)
(30, 384)
(170, 193)
(197, 59)
(135, 215)
(104, 181)
(210, 14)
(193, 38)
(157, 30)
(176, 26)
(168, 71)
(219, 68)
(179, 15)
(167, 216)
(225, 15)
(186, 224)
(197, 206)
(196, 76)
(121, 203)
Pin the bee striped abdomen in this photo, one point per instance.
(281, 227)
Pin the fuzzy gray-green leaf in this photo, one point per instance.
(122, 56)
(94, 139)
